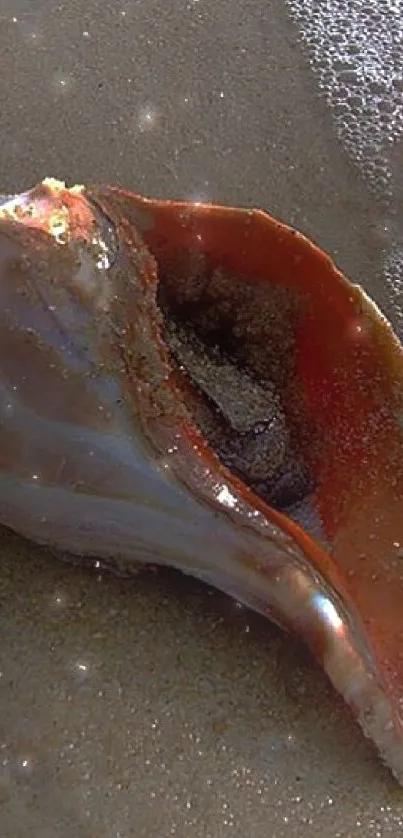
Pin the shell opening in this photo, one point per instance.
(235, 344)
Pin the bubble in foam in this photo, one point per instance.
(356, 49)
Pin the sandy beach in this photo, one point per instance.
(156, 707)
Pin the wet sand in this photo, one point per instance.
(157, 707)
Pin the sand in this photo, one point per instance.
(157, 707)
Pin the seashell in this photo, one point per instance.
(199, 386)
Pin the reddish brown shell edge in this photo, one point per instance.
(350, 365)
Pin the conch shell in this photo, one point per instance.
(199, 386)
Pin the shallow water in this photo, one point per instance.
(157, 707)
(356, 52)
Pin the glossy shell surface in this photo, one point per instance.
(102, 452)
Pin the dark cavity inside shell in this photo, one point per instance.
(234, 339)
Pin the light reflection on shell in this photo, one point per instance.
(198, 386)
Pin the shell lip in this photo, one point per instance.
(343, 640)
(344, 628)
